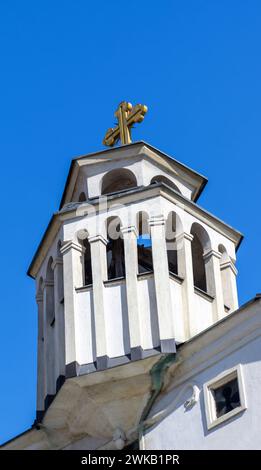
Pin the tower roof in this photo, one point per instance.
(139, 151)
(134, 149)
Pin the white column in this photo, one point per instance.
(59, 322)
(99, 274)
(228, 276)
(41, 388)
(185, 270)
(72, 275)
(214, 284)
(162, 284)
(49, 357)
(130, 235)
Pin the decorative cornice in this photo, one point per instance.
(98, 238)
(70, 245)
(57, 261)
(184, 236)
(211, 253)
(48, 283)
(129, 229)
(157, 220)
(203, 294)
(39, 298)
(230, 265)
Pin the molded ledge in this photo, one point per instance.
(203, 294)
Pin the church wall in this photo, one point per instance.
(80, 187)
(116, 319)
(85, 327)
(187, 219)
(143, 169)
(186, 428)
(151, 170)
(203, 312)
(153, 206)
(127, 214)
(178, 311)
(148, 312)
(96, 173)
(51, 366)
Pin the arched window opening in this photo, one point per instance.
(228, 302)
(199, 246)
(199, 272)
(115, 249)
(82, 236)
(145, 262)
(224, 256)
(87, 267)
(164, 179)
(50, 308)
(118, 180)
(82, 197)
(171, 232)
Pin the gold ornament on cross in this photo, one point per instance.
(127, 116)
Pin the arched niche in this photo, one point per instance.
(82, 197)
(167, 181)
(115, 249)
(224, 255)
(145, 262)
(173, 228)
(199, 246)
(82, 237)
(118, 180)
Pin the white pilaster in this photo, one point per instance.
(72, 274)
(185, 270)
(59, 321)
(162, 284)
(41, 386)
(99, 274)
(228, 276)
(214, 284)
(130, 235)
(49, 349)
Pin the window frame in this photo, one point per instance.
(209, 399)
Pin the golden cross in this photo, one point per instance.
(127, 116)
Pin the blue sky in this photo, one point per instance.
(65, 66)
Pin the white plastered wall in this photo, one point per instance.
(91, 176)
(186, 428)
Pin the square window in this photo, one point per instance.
(224, 396)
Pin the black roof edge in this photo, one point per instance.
(201, 189)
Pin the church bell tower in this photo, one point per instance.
(129, 268)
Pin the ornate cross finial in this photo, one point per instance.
(127, 116)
